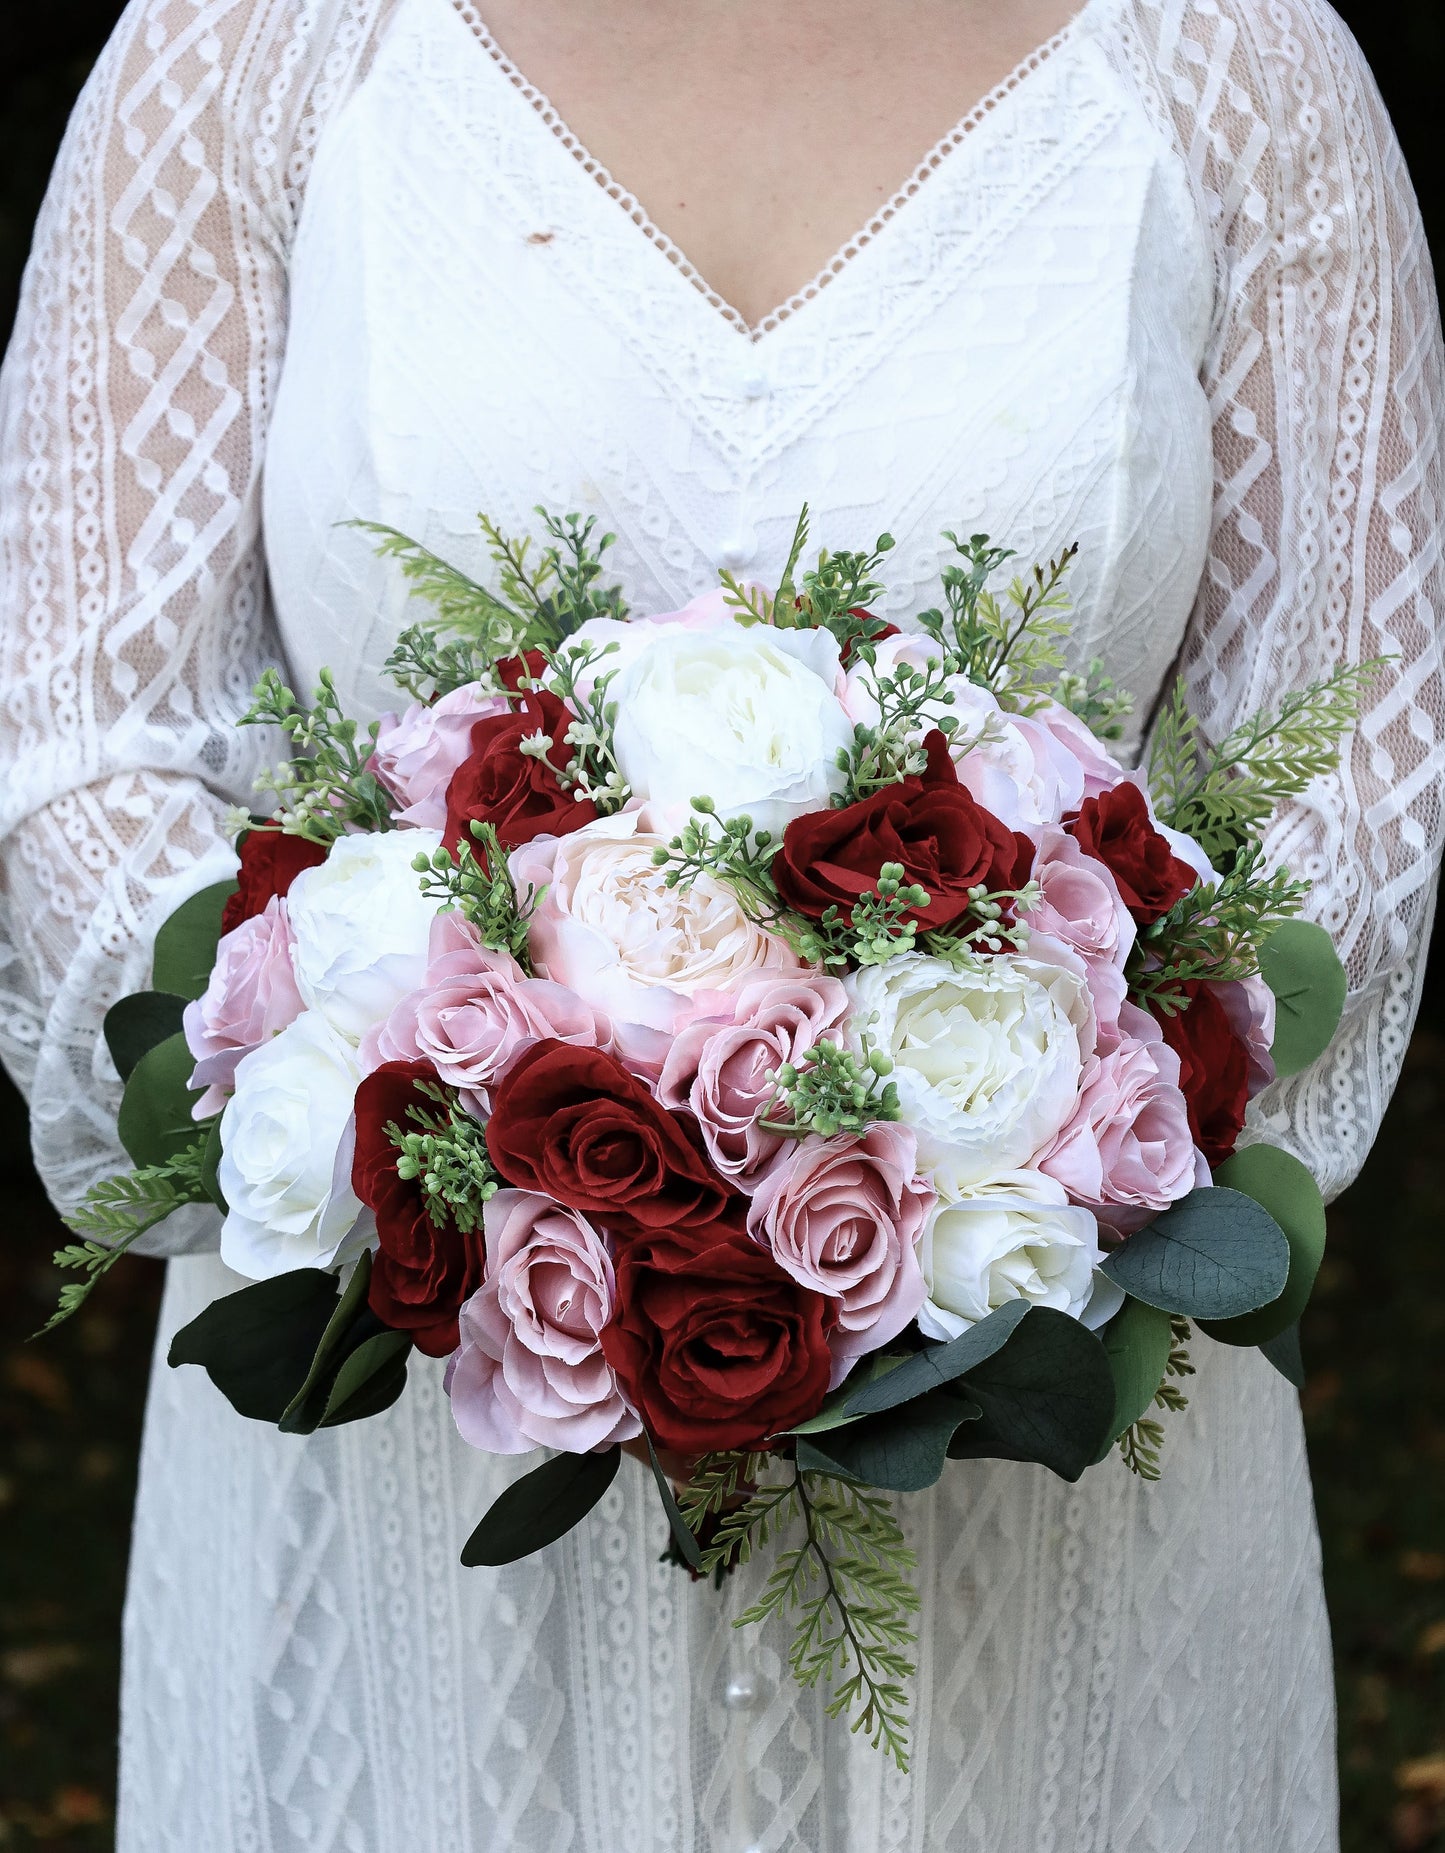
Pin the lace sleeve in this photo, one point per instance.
(133, 621)
(1325, 379)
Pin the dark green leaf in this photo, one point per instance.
(1283, 1351)
(1047, 1396)
(137, 1023)
(682, 1535)
(1300, 965)
(154, 1122)
(835, 1412)
(541, 1507)
(901, 1451)
(940, 1364)
(211, 1166)
(371, 1378)
(306, 1408)
(1137, 1342)
(256, 1345)
(186, 944)
(1214, 1255)
(1288, 1191)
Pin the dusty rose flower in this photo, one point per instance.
(417, 752)
(251, 996)
(529, 1371)
(1080, 904)
(1127, 1152)
(843, 1216)
(1249, 1005)
(719, 1070)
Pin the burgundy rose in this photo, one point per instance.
(1117, 828)
(713, 1344)
(1213, 1069)
(944, 838)
(511, 669)
(575, 1125)
(270, 862)
(421, 1272)
(518, 793)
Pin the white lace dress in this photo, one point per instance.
(1165, 293)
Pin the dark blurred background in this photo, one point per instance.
(70, 1409)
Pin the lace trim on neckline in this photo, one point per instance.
(934, 159)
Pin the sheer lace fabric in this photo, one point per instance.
(1169, 295)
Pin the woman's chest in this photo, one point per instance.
(479, 324)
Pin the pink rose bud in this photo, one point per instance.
(251, 997)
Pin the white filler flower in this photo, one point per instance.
(286, 1153)
(987, 1061)
(745, 715)
(1016, 1237)
(361, 925)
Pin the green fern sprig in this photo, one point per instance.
(1142, 1442)
(463, 608)
(847, 1584)
(115, 1213)
(480, 890)
(1223, 795)
(1213, 931)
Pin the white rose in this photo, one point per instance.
(286, 1150)
(1016, 1237)
(745, 715)
(987, 1062)
(361, 925)
(651, 957)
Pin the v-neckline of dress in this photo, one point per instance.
(987, 109)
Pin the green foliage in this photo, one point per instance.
(324, 787)
(832, 1090)
(592, 770)
(1093, 697)
(117, 1211)
(481, 891)
(1223, 796)
(1013, 646)
(846, 1585)
(937, 1365)
(185, 948)
(910, 700)
(833, 595)
(1213, 931)
(726, 850)
(1047, 1395)
(541, 1507)
(155, 1122)
(484, 624)
(1142, 1441)
(445, 1151)
(135, 1024)
(257, 1345)
(1299, 963)
(1212, 1255)
(429, 665)
(1287, 1189)
(1137, 1342)
(900, 1451)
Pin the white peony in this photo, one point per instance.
(361, 924)
(745, 715)
(286, 1149)
(1016, 1237)
(651, 957)
(987, 1062)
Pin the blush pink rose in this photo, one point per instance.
(475, 1014)
(719, 1071)
(1080, 904)
(417, 752)
(251, 997)
(1127, 1152)
(1249, 1004)
(529, 1371)
(844, 1217)
(1101, 771)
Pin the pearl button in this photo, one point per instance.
(755, 384)
(735, 554)
(740, 1694)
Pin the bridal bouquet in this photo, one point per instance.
(787, 1044)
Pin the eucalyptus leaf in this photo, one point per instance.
(1289, 1192)
(371, 1378)
(1137, 1342)
(901, 1451)
(682, 1533)
(135, 1024)
(186, 944)
(1214, 1255)
(154, 1122)
(541, 1507)
(256, 1345)
(1300, 965)
(306, 1408)
(835, 1412)
(940, 1364)
(1283, 1351)
(1047, 1396)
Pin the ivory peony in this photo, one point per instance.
(1015, 1237)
